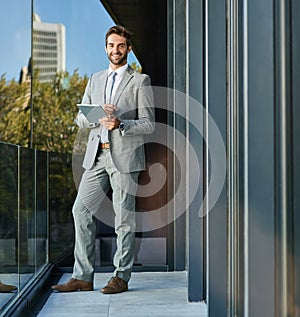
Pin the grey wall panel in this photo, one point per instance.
(217, 217)
(295, 49)
(196, 274)
(261, 158)
(179, 48)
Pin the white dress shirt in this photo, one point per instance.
(119, 75)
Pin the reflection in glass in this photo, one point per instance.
(26, 251)
(36, 194)
(41, 209)
(62, 192)
(8, 219)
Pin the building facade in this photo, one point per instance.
(238, 59)
(48, 48)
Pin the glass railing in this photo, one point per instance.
(36, 228)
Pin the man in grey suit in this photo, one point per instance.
(114, 158)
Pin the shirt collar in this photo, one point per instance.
(120, 71)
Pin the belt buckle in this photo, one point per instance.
(105, 146)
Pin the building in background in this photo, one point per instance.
(49, 48)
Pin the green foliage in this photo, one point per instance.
(8, 191)
(54, 110)
(136, 67)
(14, 112)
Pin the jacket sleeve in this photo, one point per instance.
(145, 122)
(80, 119)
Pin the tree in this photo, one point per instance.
(54, 110)
(14, 112)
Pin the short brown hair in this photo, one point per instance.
(119, 30)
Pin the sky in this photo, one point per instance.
(86, 23)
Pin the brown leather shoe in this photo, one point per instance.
(74, 285)
(115, 285)
(5, 288)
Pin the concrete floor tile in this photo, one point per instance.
(159, 311)
(159, 294)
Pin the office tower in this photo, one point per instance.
(49, 48)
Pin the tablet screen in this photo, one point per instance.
(92, 112)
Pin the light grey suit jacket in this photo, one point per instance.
(134, 99)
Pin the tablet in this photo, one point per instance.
(92, 112)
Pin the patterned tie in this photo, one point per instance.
(109, 87)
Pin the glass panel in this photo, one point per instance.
(27, 218)
(29, 185)
(41, 209)
(61, 197)
(15, 22)
(8, 219)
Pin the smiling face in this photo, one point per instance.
(117, 50)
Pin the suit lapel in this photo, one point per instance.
(100, 92)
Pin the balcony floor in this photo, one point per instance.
(159, 294)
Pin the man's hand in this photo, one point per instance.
(110, 109)
(110, 122)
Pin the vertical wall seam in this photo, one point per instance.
(206, 171)
(246, 155)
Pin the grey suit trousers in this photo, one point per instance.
(92, 190)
